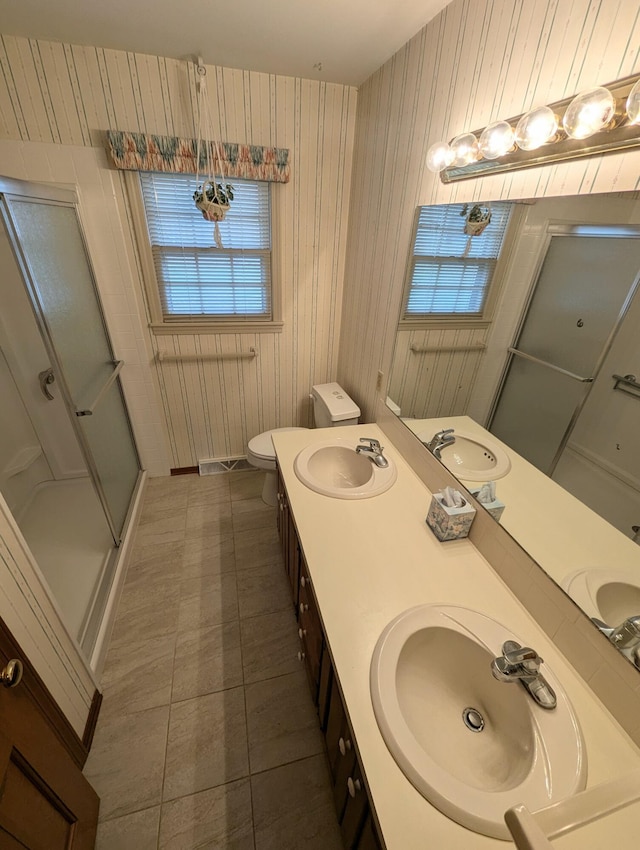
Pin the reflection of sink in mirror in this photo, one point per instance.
(336, 469)
(609, 595)
(473, 458)
(471, 745)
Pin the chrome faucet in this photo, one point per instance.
(522, 664)
(626, 636)
(439, 441)
(374, 451)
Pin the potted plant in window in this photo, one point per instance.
(213, 199)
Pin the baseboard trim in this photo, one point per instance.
(92, 720)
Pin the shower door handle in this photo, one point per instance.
(46, 377)
(88, 411)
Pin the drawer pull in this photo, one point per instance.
(301, 633)
(303, 607)
(353, 787)
(343, 746)
(301, 656)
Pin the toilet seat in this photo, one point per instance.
(261, 452)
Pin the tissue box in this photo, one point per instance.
(495, 508)
(449, 523)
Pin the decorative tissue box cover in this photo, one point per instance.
(495, 508)
(449, 523)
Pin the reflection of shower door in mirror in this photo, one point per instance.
(49, 245)
(583, 290)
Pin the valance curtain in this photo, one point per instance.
(143, 152)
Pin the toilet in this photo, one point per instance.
(331, 407)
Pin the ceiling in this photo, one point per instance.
(330, 40)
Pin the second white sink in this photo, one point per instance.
(475, 459)
(473, 746)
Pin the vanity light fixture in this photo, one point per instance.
(600, 120)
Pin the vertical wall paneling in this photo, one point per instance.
(68, 95)
(477, 61)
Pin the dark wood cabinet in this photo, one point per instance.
(352, 803)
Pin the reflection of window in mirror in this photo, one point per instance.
(453, 264)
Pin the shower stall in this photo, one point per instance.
(69, 468)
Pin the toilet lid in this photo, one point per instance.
(262, 444)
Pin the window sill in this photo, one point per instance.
(443, 322)
(168, 328)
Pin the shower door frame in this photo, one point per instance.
(53, 196)
(631, 231)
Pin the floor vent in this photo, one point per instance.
(214, 467)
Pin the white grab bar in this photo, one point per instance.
(167, 356)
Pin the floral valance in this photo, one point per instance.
(142, 152)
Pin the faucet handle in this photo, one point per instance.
(373, 443)
(516, 654)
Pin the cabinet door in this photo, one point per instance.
(368, 837)
(356, 808)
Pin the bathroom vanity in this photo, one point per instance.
(355, 565)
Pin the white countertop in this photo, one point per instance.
(574, 537)
(370, 560)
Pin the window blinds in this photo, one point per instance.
(443, 281)
(196, 280)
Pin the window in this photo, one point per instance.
(442, 282)
(196, 281)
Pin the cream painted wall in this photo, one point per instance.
(478, 61)
(67, 95)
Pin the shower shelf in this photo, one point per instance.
(22, 461)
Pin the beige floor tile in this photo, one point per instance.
(293, 808)
(207, 660)
(207, 601)
(213, 819)
(126, 762)
(166, 484)
(154, 562)
(276, 736)
(138, 831)
(163, 505)
(263, 590)
(209, 554)
(251, 514)
(247, 484)
(257, 547)
(156, 617)
(137, 675)
(207, 743)
(161, 531)
(209, 519)
(209, 490)
(270, 645)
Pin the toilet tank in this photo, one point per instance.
(332, 406)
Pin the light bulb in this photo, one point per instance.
(633, 104)
(496, 140)
(536, 128)
(439, 156)
(589, 112)
(464, 149)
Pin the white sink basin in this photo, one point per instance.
(609, 595)
(336, 469)
(475, 459)
(431, 665)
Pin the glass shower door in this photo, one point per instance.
(582, 290)
(65, 300)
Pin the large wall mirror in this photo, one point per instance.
(532, 350)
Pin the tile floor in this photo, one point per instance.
(207, 736)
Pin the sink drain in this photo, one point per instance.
(473, 719)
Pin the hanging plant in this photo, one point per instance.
(213, 199)
(477, 218)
